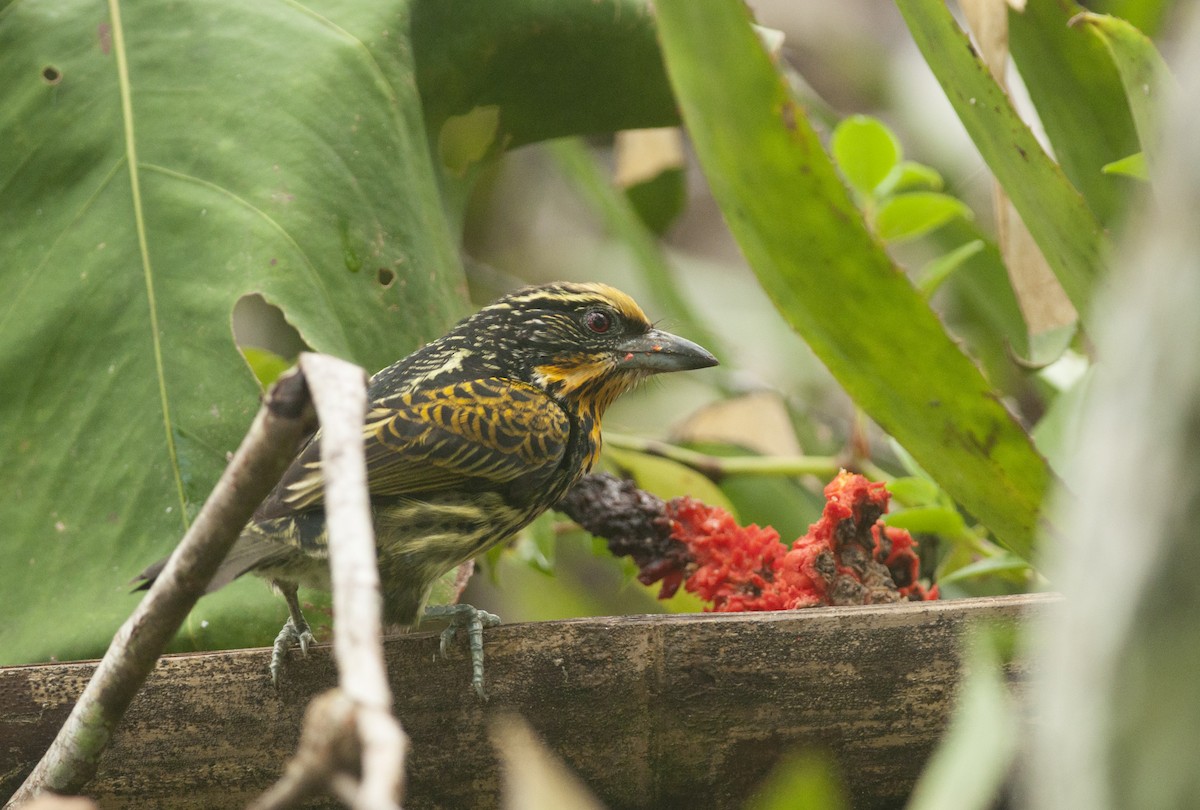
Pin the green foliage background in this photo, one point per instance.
(165, 161)
(162, 162)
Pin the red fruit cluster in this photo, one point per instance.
(847, 557)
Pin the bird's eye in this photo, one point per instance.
(598, 321)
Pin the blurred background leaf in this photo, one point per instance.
(907, 216)
(866, 152)
(800, 782)
(1144, 75)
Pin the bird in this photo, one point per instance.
(467, 440)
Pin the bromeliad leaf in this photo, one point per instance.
(1143, 72)
(830, 279)
(1066, 230)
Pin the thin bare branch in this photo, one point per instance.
(339, 394)
(355, 730)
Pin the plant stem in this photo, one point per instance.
(718, 467)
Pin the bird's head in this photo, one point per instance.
(586, 343)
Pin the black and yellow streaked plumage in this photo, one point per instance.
(468, 439)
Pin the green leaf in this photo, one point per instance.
(983, 311)
(907, 216)
(1133, 166)
(931, 276)
(1078, 96)
(913, 490)
(775, 499)
(1002, 565)
(266, 365)
(1144, 75)
(176, 160)
(535, 545)
(865, 150)
(830, 278)
(667, 479)
(779, 502)
(1047, 347)
(185, 156)
(551, 68)
(468, 138)
(908, 175)
(1146, 16)
(928, 520)
(1058, 433)
(1068, 233)
(619, 216)
(548, 69)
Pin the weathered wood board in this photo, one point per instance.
(651, 711)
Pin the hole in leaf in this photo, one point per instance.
(265, 338)
(51, 74)
(386, 277)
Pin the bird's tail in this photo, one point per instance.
(248, 552)
(144, 580)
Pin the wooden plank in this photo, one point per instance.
(651, 711)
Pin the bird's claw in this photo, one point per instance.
(473, 621)
(289, 635)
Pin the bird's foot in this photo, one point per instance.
(473, 621)
(293, 632)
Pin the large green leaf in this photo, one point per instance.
(503, 74)
(158, 165)
(552, 67)
(802, 234)
(1065, 229)
(1078, 96)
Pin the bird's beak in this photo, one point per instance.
(658, 351)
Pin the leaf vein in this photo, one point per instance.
(118, 32)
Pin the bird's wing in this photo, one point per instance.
(473, 433)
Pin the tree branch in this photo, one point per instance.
(350, 729)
